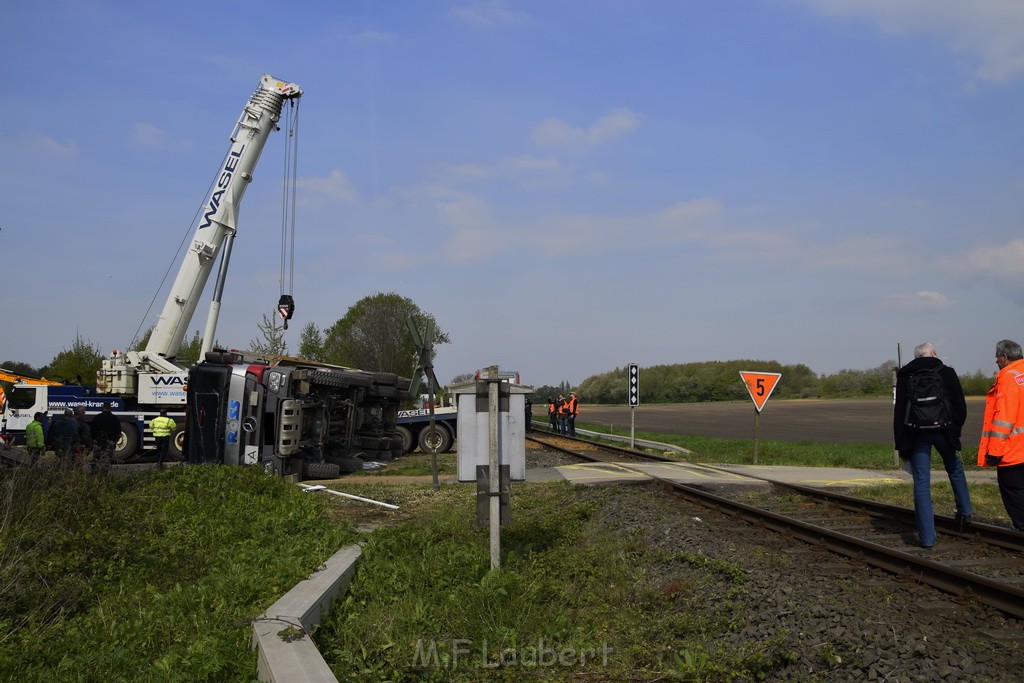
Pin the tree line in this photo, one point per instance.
(372, 335)
(720, 381)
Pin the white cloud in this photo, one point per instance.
(992, 30)
(335, 186)
(924, 300)
(493, 13)
(556, 133)
(148, 136)
(1003, 266)
(34, 142)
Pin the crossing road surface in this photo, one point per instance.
(826, 421)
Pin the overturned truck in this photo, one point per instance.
(290, 416)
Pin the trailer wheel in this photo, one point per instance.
(440, 439)
(321, 470)
(126, 443)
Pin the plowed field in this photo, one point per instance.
(826, 421)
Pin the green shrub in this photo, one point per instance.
(148, 577)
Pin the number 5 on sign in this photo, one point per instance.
(760, 386)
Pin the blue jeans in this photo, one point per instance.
(921, 469)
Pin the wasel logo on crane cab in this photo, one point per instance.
(760, 385)
(222, 183)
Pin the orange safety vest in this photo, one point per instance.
(1002, 431)
(573, 406)
(551, 408)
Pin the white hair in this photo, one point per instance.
(924, 350)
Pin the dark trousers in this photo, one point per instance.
(1011, 488)
(162, 442)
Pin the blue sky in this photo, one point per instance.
(568, 186)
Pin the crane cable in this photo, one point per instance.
(286, 304)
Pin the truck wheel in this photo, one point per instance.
(440, 439)
(407, 441)
(321, 470)
(176, 447)
(126, 443)
(348, 465)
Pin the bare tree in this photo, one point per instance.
(273, 337)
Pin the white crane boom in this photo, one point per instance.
(212, 238)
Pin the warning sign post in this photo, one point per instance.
(760, 386)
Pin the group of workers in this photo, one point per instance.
(71, 436)
(562, 414)
(1002, 436)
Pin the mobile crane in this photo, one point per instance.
(138, 384)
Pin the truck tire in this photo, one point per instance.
(407, 441)
(385, 378)
(348, 465)
(358, 378)
(126, 444)
(320, 470)
(441, 440)
(175, 449)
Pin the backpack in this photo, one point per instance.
(928, 406)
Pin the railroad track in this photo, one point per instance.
(977, 560)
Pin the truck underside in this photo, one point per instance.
(295, 418)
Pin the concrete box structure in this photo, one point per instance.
(474, 428)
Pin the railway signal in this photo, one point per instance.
(634, 384)
(634, 401)
(760, 386)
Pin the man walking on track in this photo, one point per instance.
(929, 412)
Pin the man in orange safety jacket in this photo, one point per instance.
(572, 409)
(1002, 432)
(553, 414)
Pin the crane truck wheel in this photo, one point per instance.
(440, 439)
(126, 444)
(176, 447)
(408, 444)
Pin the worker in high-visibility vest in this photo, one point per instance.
(1002, 430)
(553, 414)
(162, 426)
(35, 437)
(572, 409)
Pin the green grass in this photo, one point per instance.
(426, 606)
(415, 464)
(797, 453)
(157, 577)
(152, 577)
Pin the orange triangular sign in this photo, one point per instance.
(760, 385)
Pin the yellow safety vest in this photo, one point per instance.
(162, 426)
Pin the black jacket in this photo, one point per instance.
(902, 435)
(106, 426)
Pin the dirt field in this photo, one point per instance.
(834, 421)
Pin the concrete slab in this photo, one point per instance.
(697, 473)
(281, 635)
